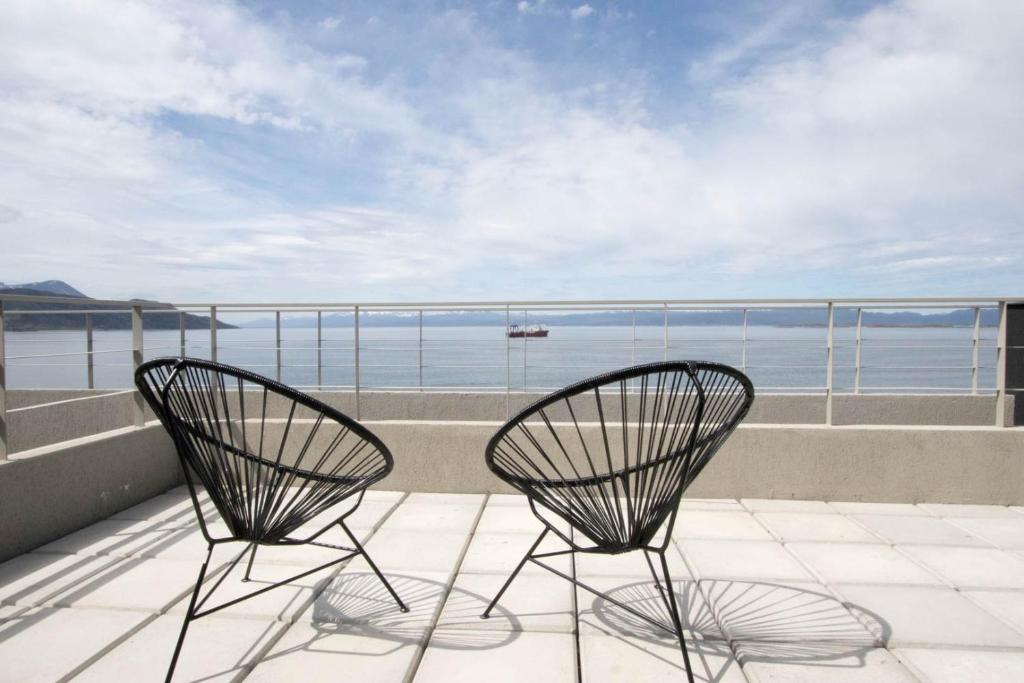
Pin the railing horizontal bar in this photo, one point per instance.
(97, 311)
(62, 340)
(751, 304)
(851, 343)
(965, 390)
(917, 367)
(871, 302)
(86, 353)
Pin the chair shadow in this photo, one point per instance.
(357, 604)
(754, 621)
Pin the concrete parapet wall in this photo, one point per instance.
(48, 492)
(875, 464)
(57, 419)
(869, 463)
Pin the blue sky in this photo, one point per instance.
(346, 151)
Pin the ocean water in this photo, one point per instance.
(900, 359)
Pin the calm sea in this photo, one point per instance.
(776, 359)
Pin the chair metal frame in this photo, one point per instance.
(158, 379)
(699, 405)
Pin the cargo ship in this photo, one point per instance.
(515, 331)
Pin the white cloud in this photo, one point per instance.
(581, 12)
(905, 130)
(192, 58)
(329, 23)
(888, 155)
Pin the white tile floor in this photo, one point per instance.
(773, 591)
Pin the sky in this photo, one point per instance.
(198, 151)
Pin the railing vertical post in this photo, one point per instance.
(1000, 420)
(419, 363)
(525, 339)
(356, 347)
(139, 407)
(664, 352)
(277, 344)
(828, 364)
(508, 364)
(3, 388)
(975, 350)
(213, 333)
(743, 360)
(633, 352)
(856, 359)
(181, 334)
(89, 369)
(319, 350)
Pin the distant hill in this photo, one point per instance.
(778, 317)
(76, 321)
(51, 287)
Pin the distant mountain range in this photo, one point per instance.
(52, 287)
(778, 317)
(76, 321)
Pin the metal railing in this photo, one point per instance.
(509, 311)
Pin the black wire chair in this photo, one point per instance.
(271, 459)
(618, 480)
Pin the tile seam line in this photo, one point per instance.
(421, 650)
(808, 568)
(952, 522)
(948, 582)
(821, 579)
(902, 553)
(909, 666)
(886, 540)
(862, 620)
(117, 642)
(968, 595)
(917, 645)
(153, 616)
(696, 579)
(257, 658)
(575, 592)
(883, 541)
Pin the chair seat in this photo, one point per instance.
(612, 455)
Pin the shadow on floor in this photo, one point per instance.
(357, 604)
(754, 621)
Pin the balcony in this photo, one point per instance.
(805, 590)
(862, 524)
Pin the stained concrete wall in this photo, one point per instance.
(48, 492)
(899, 409)
(55, 419)
(58, 416)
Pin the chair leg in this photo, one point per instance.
(508, 582)
(248, 567)
(668, 595)
(188, 614)
(362, 551)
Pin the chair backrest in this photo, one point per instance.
(271, 458)
(613, 454)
